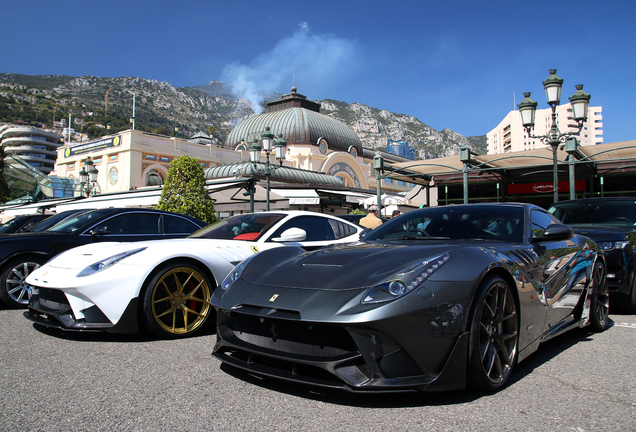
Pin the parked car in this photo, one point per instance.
(23, 253)
(21, 223)
(610, 223)
(54, 219)
(166, 286)
(455, 304)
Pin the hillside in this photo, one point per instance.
(159, 107)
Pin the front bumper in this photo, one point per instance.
(620, 271)
(357, 358)
(51, 308)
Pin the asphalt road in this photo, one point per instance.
(51, 381)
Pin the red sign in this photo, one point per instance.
(531, 188)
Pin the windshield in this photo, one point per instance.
(596, 212)
(50, 221)
(79, 222)
(10, 226)
(248, 227)
(472, 221)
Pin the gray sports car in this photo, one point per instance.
(436, 299)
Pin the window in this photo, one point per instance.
(317, 228)
(177, 225)
(132, 223)
(540, 221)
(341, 229)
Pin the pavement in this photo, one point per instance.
(55, 381)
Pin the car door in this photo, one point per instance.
(559, 256)
(318, 230)
(127, 227)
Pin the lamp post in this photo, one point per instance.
(176, 131)
(88, 178)
(279, 146)
(580, 102)
(378, 166)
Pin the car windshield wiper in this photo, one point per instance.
(423, 238)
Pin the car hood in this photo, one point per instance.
(603, 232)
(338, 267)
(154, 250)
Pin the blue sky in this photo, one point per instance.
(455, 64)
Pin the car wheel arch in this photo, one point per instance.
(507, 277)
(181, 260)
(149, 317)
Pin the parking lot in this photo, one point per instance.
(53, 381)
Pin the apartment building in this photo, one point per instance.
(510, 136)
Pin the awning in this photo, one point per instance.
(36, 207)
(299, 196)
(351, 197)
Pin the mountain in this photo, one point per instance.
(95, 102)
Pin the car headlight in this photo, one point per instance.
(235, 274)
(405, 281)
(107, 262)
(608, 246)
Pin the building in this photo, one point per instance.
(36, 146)
(400, 148)
(510, 136)
(325, 164)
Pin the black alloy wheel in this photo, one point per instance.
(599, 309)
(494, 336)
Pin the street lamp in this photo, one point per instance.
(88, 179)
(176, 131)
(279, 146)
(580, 102)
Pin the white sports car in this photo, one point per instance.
(165, 286)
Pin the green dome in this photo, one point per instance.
(297, 126)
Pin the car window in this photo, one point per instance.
(178, 225)
(540, 221)
(503, 223)
(341, 229)
(131, 224)
(608, 212)
(78, 222)
(242, 227)
(317, 228)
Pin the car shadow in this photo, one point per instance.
(409, 399)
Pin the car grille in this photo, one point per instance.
(292, 339)
(51, 300)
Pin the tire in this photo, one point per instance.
(13, 290)
(176, 300)
(631, 297)
(599, 308)
(493, 336)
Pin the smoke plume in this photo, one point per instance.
(320, 60)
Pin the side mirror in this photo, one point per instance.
(555, 232)
(100, 231)
(291, 235)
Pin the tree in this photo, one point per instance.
(5, 193)
(184, 190)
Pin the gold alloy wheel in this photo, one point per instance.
(180, 300)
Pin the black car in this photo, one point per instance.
(54, 219)
(456, 302)
(22, 223)
(20, 254)
(610, 223)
